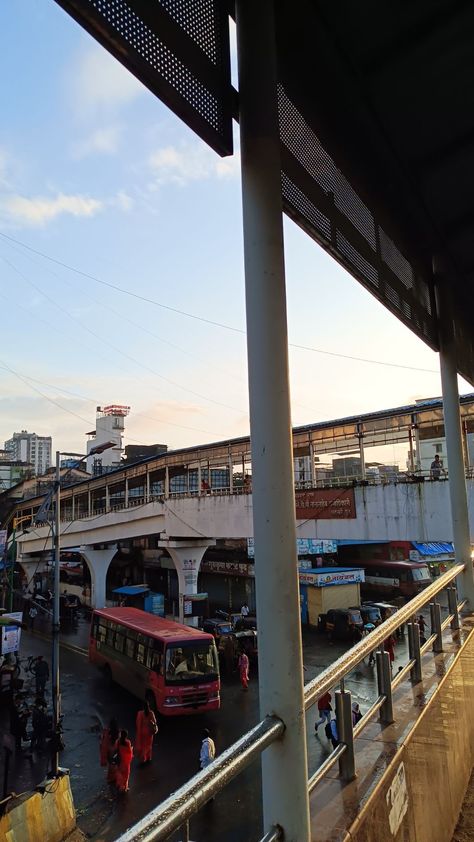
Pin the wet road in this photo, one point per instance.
(235, 814)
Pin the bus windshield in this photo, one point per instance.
(188, 663)
(420, 573)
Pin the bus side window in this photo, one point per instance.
(154, 657)
(101, 634)
(130, 647)
(109, 638)
(140, 653)
(119, 641)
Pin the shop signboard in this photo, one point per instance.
(11, 635)
(304, 546)
(325, 503)
(328, 578)
(233, 568)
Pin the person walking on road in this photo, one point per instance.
(389, 646)
(356, 714)
(125, 756)
(208, 749)
(18, 720)
(32, 614)
(332, 733)
(324, 710)
(40, 723)
(146, 728)
(244, 665)
(41, 671)
(422, 627)
(109, 749)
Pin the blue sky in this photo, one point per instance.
(96, 173)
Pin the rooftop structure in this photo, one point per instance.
(110, 427)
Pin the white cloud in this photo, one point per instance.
(103, 141)
(189, 162)
(122, 201)
(38, 210)
(99, 82)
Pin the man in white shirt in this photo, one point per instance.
(208, 749)
(245, 610)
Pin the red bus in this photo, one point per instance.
(394, 578)
(174, 667)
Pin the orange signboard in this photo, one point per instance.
(327, 503)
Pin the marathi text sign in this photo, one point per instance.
(325, 503)
(304, 546)
(334, 577)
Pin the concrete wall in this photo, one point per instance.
(47, 816)
(405, 512)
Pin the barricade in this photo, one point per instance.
(47, 814)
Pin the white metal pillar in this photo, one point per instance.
(187, 557)
(147, 486)
(126, 494)
(312, 465)
(452, 427)
(199, 478)
(284, 764)
(231, 474)
(107, 498)
(167, 482)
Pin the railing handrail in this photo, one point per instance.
(347, 662)
(182, 804)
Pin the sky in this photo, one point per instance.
(97, 175)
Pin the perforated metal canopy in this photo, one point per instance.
(376, 125)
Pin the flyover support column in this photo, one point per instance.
(187, 559)
(452, 427)
(279, 630)
(98, 562)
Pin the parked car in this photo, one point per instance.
(342, 624)
(220, 629)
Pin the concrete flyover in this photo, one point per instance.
(398, 511)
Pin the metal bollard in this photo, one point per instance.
(345, 732)
(414, 651)
(384, 683)
(453, 608)
(435, 613)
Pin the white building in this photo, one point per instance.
(109, 427)
(28, 447)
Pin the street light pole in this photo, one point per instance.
(56, 617)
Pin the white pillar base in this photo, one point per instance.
(98, 562)
(187, 559)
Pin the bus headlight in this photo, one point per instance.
(172, 700)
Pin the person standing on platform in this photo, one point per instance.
(244, 611)
(108, 749)
(125, 756)
(244, 665)
(146, 728)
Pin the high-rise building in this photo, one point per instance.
(109, 427)
(28, 447)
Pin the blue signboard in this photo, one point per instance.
(154, 603)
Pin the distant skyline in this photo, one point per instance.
(96, 174)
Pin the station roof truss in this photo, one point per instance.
(376, 127)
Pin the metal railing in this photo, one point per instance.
(175, 812)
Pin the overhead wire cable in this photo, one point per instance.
(119, 350)
(212, 322)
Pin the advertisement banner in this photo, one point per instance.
(10, 635)
(325, 503)
(332, 577)
(235, 568)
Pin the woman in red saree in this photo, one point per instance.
(108, 748)
(244, 670)
(125, 755)
(146, 728)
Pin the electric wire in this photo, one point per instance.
(119, 350)
(212, 322)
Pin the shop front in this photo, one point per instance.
(324, 588)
